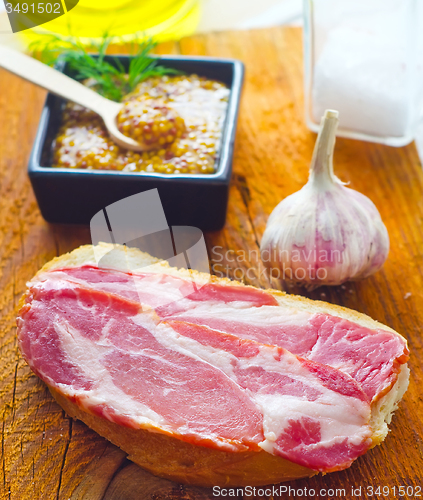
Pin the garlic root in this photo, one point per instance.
(326, 233)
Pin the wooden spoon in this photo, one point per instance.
(56, 82)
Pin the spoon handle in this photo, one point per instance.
(50, 79)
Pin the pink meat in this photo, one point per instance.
(87, 325)
(275, 382)
(373, 360)
(371, 357)
(262, 379)
(45, 345)
(141, 287)
(200, 385)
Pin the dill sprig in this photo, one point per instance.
(110, 80)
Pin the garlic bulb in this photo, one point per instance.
(326, 233)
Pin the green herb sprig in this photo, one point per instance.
(110, 80)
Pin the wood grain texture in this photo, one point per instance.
(46, 456)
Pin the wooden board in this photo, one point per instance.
(44, 455)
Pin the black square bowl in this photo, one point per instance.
(73, 196)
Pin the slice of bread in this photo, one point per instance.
(180, 461)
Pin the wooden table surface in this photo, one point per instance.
(44, 455)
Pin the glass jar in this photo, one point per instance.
(364, 59)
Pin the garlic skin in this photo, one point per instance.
(326, 233)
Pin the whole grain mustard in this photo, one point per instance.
(185, 113)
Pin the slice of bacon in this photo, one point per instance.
(195, 383)
(100, 350)
(373, 357)
(293, 394)
(154, 288)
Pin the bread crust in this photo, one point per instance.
(188, 463)
(183, 462)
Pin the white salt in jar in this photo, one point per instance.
(364, 58)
